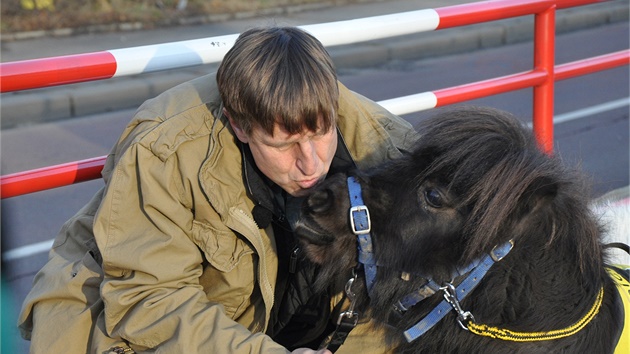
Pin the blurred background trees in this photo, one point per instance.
(34, 15)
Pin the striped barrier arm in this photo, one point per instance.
(62, 70)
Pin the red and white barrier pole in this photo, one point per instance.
(51, 177)
(38, 73)
(46, 72)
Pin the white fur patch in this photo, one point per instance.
(615, 216)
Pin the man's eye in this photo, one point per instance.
(282, 147)
(433, 198)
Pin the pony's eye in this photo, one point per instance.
(433, 198)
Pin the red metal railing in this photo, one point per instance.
(64, 70)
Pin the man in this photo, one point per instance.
(188, 247)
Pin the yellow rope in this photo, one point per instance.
(506, 334)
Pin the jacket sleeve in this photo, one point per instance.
(151, 290)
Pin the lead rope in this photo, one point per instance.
(506, 334)
(347, 320)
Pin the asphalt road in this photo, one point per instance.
(598, 142)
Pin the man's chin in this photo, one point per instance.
(299, 193)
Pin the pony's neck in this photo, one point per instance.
(553, 280)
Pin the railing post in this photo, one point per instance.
(544, 60)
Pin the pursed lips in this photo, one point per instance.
(306, 184)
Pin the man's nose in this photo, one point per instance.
(307, 160)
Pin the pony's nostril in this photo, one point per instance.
(320, 201)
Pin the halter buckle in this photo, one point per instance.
(500, 251)
(360, 220)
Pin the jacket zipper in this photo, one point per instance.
(293, 259)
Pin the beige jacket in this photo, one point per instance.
(167, 257)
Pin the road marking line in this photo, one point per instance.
(28, 250)
(585, 112)
(581, 113)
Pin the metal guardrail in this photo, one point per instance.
(54, 71)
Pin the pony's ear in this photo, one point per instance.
(539, 194)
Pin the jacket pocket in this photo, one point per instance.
(223, 248)
(229, 273)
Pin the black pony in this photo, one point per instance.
(479, 215)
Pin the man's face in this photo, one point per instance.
(295, 162)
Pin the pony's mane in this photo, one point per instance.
(494, 164)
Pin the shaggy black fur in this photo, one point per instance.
(476, 179)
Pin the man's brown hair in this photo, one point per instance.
(279, 75)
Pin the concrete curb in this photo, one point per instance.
(58, 103)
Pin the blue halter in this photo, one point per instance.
(453, 295)
(361, 226)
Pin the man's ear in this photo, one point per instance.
(240, 133)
